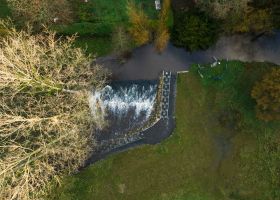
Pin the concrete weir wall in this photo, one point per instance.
(157, 131)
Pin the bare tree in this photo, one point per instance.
(122, 42)
(45, 125)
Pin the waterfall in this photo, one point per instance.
(124, 106)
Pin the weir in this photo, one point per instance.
(135, 112)
(124, 106)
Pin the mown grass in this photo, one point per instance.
(98, 46)
(192, 164)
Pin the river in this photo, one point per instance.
(146, 63)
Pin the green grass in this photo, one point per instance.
(189, 165)
(99, 17)
(98, 46)
(4, 10)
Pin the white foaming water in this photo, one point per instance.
(133, 102)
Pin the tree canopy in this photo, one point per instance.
(193, 30)
(45, 122)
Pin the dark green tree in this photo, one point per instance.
(194, 30)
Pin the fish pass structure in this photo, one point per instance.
(165, 94)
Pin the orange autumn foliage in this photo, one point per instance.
(139, 21)
(267, 95)
(162, 33)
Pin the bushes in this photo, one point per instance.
(143, 28)
(239, 16)
(194, 30)
(121, 42)
(224, 9)
(40, 12)
(273, 6)
(162, 38)
(267, 95)
(162, 33)
(140, 26)
(252, 21)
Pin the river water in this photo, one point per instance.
(146, 63)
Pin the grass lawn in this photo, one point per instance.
(98, 46)
(4, 10)
(218, 149)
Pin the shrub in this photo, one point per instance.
(267, 95)
(162, 33)
(140, 28)
(40, 12)
(240, 15)
(224, 9)
(253, 21)
(122, 42)
(194, 30)
(162, 38)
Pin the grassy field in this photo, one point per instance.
(217, 151)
